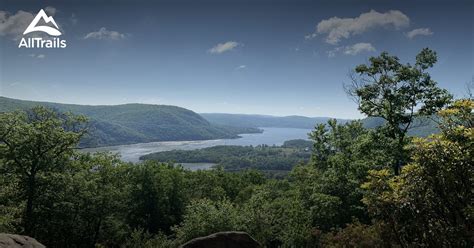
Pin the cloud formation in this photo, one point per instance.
(14, 25)
(419, 31)
(359, 48)
(224, 47)
(241, 67)
(336, 28)
(352, 50)
(104, 34)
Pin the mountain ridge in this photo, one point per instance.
(136, 123)
(255, 120)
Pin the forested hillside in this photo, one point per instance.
(134, 123)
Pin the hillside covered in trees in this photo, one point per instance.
(361, 187)
(136, 123)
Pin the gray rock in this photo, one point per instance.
(18, 241)
(223, 240)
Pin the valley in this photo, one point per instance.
(269, 136)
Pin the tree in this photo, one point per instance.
(342, 156)
(33, 145)
(86, 204)
(430, 202)
(157, 198)
(398, 93)
(204, 217)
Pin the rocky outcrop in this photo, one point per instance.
(18, 241)
(223, 240)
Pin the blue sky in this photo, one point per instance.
(255, 57)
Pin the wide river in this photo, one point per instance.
(270, 136)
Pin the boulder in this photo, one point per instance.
(223, 240)
(18, 241)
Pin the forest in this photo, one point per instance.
(234, 158)
(359, 187)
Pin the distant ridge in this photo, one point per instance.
(245, 120)
(294, 121)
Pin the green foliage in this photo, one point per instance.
(204, 217)
(235, 158)
(298, 143)
(356, 235)
(142, 239)
(398, 93)
(341, 158)
(84, 207)
(34, 148)
(157, 197)
(276, 217)
(430, 202)
(217, 184)
(135, 123)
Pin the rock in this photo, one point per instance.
(223, 240)
(18, 241)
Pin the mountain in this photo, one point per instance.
(135, 123)
(243, 120)
(422, 126)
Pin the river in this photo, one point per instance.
(270, 136)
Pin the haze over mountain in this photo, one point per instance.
(245, 120)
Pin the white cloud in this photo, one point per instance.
(241, 67)
(352, 50)
(337, 28)
(14, 25)
(104, 34)
(359, 48)
(419, 31)
(224, 47)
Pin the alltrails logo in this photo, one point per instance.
(39, 42)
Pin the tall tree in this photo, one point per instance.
(398, 93)
(34, 144)
(430, 204)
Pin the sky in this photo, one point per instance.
(230, 56)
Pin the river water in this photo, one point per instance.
(270, 136)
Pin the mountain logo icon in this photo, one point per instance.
(47, 29)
